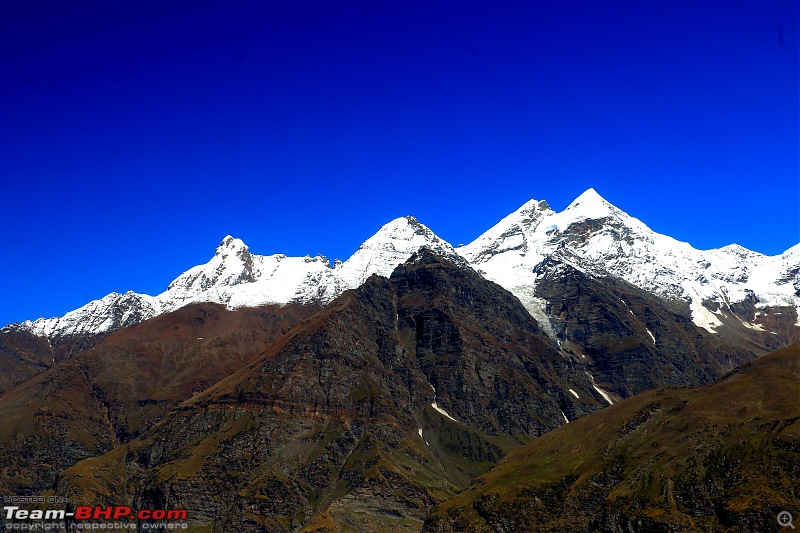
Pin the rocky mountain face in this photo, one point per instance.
(365, 413)
(631, 340)
(723, 457)
(384, 403)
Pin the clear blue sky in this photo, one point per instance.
(136, 135)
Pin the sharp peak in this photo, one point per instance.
(591, 205)
(534, 205)
(589, 195)
(403, 228)
(404, 223)
(231, 244)
(405, 220)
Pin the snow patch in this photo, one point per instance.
(442, 411)
(423, 438)
(575, 394)
(600, 391)
(436, 405)
(565, 417)
(702, 317)
(749, 325)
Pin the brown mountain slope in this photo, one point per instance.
(338, 424)
(22, 356)
(107, 394)
(724, 457)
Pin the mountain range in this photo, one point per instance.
(274, 393)
(723, 289)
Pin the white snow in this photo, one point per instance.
(575, 394)
(590, 235)
(423, 438)
(565, 417)
(391, 246)
(237, 278)
(701, 316)
(436, 405)
(603, 393)
(596, 237)
(442, 411)
(600, 391)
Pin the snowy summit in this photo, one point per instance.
(591, 235)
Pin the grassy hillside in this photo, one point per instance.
(716, 458)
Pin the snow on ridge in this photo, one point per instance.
(594, 236)
(97, 316)
(237, 278)
(590, 235)
(392, 245)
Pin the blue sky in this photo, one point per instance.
(135, 135)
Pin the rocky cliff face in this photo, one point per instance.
(417, 376)
(366, 413)
(631, 340)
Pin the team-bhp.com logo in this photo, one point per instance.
(87, 512)
(87, 517)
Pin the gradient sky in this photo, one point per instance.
(135, 135)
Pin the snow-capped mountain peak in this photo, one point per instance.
(593, 235)
(237, 278)
(389, 247)
(232, 246)
(590, 235)
(591, 206)
(591, 203)
(511, 234)
(231, 265)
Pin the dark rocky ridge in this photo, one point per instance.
(24, 355)
(611, 322)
